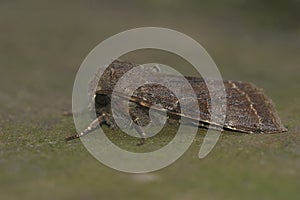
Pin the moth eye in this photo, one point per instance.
(102, 100)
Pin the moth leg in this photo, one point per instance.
(110, 122)
(92, 126)
(136, 121)
(139, 131)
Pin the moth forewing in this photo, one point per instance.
(249, 110)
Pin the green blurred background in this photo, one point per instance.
(42, 46)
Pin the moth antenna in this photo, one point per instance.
(92, 126)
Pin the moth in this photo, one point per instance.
(249, 110)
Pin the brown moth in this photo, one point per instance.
(249, 110)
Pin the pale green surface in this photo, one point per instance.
(42, 46)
